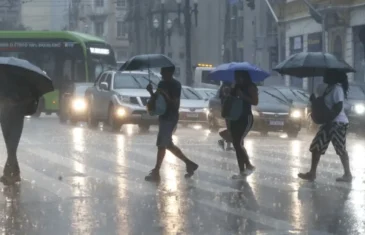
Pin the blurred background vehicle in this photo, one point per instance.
(118, 98)
(206, 93)
(73, 106)
(193, 108)
(273, 114)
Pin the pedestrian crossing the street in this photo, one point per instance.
(87, 164)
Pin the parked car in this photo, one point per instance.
(354, 108)
(118, 98)
(193, 108)
(272, 114)
(73, 104)
(206, 93)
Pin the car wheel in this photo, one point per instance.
(212, 125)
(91, 121)
(144, 127)
(292, 134)
(113, 125)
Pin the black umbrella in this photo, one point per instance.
(23, 73)
(312, 64)
(147, 61)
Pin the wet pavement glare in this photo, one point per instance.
(81, 181)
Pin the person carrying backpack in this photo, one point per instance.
(328, 111)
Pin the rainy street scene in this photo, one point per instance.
(182, 117)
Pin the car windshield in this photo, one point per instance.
(267, 96)
(294, 95)
(275, 94)
(189, 94)
(356, 93)
(134, 80)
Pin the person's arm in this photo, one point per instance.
(253, 97)
(338, 97)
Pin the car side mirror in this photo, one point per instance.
(104, 86)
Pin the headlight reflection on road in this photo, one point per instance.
(129, 129)
(78, 139)
(122, 186)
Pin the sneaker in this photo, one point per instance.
(154, 175)
(307, 176)
(249, 170)
(242, 175)
(10, 180)
(191, 168)
(221, 144)
(345, 178)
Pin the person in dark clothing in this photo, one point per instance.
(246, 90)
(14, 107)
(225, 91)
(171, 89)
(335, 131)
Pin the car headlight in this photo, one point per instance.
(255, 113)
(124, 99)
(359, 109)
(296, 114)
(120, 112)
(79, 105)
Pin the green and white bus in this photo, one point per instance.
(66, 57)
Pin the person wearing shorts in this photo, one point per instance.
(334, 131)
(171, 89)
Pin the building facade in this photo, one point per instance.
(104, 19)
(344, 33)
(149, 35)
(10, 14)
(251, 35)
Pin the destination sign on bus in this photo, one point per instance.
(36, 44)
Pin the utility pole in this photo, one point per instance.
(162, 32)
(137, 18)
(187, 17)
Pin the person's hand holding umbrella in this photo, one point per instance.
(149, 88)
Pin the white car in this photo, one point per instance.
(119, 98)
(206, 93)
(193, 108)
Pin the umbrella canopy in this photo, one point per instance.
(24, 73)
(312, 64)
(225, 72)
(147, 61)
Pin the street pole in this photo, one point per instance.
(324, 48)
(162, 33)
(188, 67)
(138, 25)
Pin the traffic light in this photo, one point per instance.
(251, 4)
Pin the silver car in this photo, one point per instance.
(119, 98)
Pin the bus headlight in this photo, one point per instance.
(359, 109)
(120, 112)
(296, 114)
(79, 105)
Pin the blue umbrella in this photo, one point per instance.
(225, 72)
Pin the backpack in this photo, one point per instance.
(321, 114)
(232, 108)
(156, 106)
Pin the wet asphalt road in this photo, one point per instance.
(81, 181)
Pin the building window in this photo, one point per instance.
(122, 55)
(99, 3)
(99, 28)
(121, 3)
(122, 31)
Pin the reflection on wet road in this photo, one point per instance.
(81, 181)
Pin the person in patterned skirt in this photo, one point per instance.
(336, 88)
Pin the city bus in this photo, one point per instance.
(67, 57)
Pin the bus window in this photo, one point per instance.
(205, 78)
(79, 71)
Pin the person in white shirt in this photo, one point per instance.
(336, 88)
